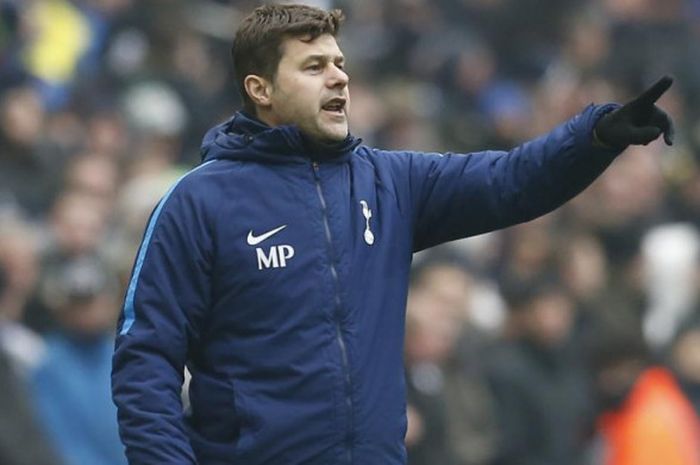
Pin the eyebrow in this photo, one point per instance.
(325, 58)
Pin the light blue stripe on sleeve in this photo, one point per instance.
(129, 314)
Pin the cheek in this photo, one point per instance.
(294, 100)
(305, 89)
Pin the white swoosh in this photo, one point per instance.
(255, 240)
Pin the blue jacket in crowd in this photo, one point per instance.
(277, 272)
(71, 393)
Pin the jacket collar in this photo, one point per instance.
(244, 137)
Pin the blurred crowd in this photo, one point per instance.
(570, 340)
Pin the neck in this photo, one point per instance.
(264, 117)
(316, 145)
(291, 136)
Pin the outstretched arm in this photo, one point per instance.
(460, 195)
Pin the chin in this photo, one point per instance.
(334, 134)
(336, 138)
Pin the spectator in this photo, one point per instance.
(446, 379)
(540, 391)
(78, 224)
(25, 165)
(685, 360)
(19, 257)
(430, 338)
(21, 439)
(646, 418)
(71, 385)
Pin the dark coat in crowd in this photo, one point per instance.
(542, 403)
(21, 440)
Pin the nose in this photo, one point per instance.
(338, 77)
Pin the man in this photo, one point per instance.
(540, 390)
(453, 408)
(277, 270)
(22, 439)
(69, 385)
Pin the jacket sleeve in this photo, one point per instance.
(166, 299)
(460, 195)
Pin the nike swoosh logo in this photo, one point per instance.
(255, 240)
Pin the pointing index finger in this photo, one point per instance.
(653, 93)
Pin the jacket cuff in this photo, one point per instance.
(586, 138)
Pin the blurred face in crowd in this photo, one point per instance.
(89, 316)
(686, 355)
(21, 116)
(83, 296)
(431, 328)
(19, 262)
(78, 222)
(449, 286)
(18, 253)
(95, 176)
(548, 319)
(584, 266)
(309, 90)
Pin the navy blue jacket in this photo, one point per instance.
(281, 283)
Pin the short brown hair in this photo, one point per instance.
(257, 47)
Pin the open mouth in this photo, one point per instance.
(336, 105)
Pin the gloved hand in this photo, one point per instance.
(637, 122)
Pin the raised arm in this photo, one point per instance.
(460, 195)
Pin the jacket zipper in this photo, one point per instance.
(338, 330)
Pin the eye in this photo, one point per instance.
(340, 65)
(314, 67)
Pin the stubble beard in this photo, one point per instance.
(328, 132)
(333, 130)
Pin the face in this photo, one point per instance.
(90, 316)
(310, 89)
(550, 317)
(449, 286)
(432, 328)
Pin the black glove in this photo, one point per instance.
(637, 122)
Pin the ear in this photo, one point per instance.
(258, 89)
